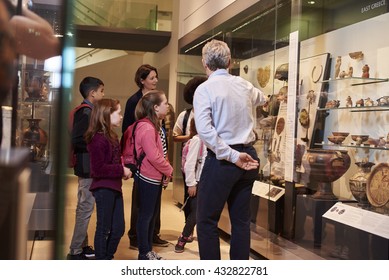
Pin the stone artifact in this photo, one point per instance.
(369, 102)
(365, 71)
(263, 76)
(360, 103)
(350, 72)
(282, 72)
(332, 104)
(356, 55)
(349, 102)
(337, 66)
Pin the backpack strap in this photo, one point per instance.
(185, 121)
(201, 150)
(73, 112)
(143, 154)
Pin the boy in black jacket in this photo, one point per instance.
(92, 90)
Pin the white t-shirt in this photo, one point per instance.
(178, 126)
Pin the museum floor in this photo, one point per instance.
(268, 245)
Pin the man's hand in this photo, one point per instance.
(246, 162)
(192, 190)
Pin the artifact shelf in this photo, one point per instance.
(356, 81)
(358, 109)
(362, 146)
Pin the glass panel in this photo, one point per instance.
(36, 103)
(336, 123)
(349, 128)
(123, 14)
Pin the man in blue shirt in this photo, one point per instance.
(224, 106)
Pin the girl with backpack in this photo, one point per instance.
(181, 130)
(196, 152)
(107, 171)
(155, 170)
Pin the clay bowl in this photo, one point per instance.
(372, 141)
(359, 139)
(345, 134)
(336, 139)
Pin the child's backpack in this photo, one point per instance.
(129, 154)
(72, 156)
(185, 151)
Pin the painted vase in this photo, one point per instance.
(358, 183)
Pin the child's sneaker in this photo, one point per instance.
(190, 238)
(179, 248)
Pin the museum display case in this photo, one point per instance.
(34, 118)
(323, 135)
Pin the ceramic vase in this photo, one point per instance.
(358, 183)
(325, 167)
(35, 138)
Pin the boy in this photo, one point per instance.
(92, 90)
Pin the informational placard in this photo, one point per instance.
(362, 219)
(267, 191)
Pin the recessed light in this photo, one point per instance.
(311, 2)
(89, 44)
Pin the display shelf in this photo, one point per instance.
(362, 146)
(358, 109)
(356, 81)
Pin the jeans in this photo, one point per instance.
(134, 214)
(149, 203)
(222, 182)
(110, 222)
(84, 210)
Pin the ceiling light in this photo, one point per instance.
(89, 44)
(311, 2)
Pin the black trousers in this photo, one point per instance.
(222, 182)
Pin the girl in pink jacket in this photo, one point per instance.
(155, 170)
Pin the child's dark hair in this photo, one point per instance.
(88, 84)
(142, 73)
(191, 87)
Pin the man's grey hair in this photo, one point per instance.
(216, 55)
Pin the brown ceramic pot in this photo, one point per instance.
(325, 167)
(35, 138)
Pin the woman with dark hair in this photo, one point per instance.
(146, 77)
(107, 172)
